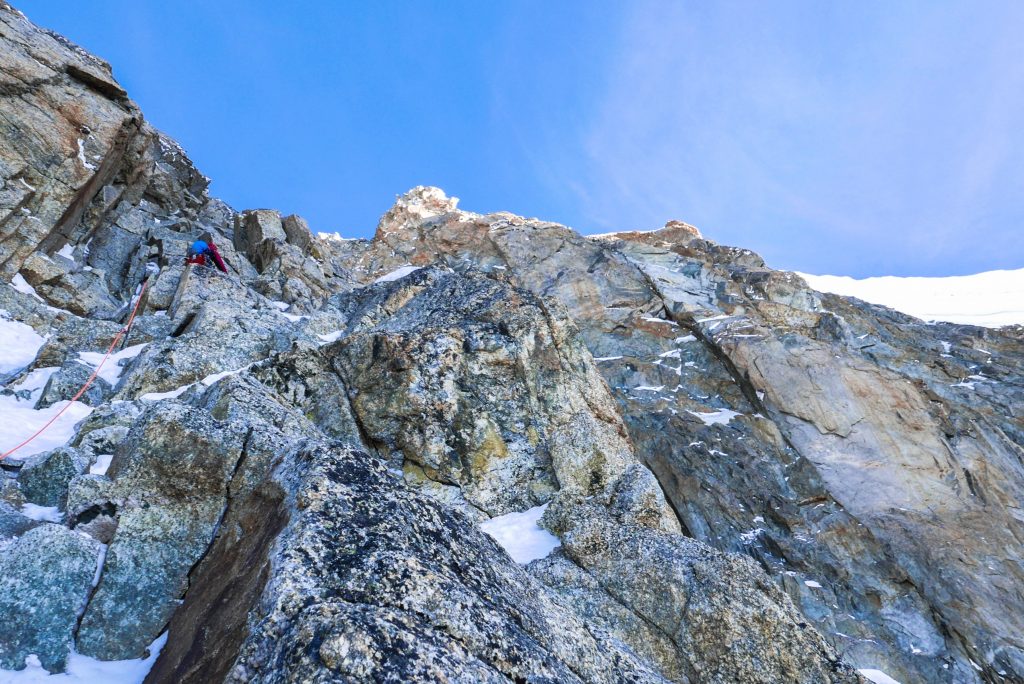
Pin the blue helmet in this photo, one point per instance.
(198, 247)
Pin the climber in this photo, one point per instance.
(200, 251)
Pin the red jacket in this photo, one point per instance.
(216, 257)
(212, 253)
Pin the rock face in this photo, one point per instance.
(47, 574)
(749, 481)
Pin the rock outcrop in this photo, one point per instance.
(286, 469)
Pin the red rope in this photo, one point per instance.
(92, 377)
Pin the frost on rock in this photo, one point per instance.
(521, 536)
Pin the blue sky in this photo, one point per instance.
(854, 138)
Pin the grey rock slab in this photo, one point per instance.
(45, 579)
(44, 478)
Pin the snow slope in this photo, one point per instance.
(991, 299)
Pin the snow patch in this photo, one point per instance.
(42, 513)
(111, 371)
(720, 417)
(336, 237)
(208, 381)
(330, 337)
(36, 379)
(19, 421)
(748, 538)
(282, 307)
(211, 379)
(101, 558)
(877, 676)
(81, 156)
(19, 283)
(400, 272)
(85, 670)
(101, 464)
(521, 536)
(654, 319)
(159, 396)
(990, 299)
(19, 344)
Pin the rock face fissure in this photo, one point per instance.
(289, 468)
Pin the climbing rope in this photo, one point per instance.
(110, 349)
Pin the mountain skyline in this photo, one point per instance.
(860, 141)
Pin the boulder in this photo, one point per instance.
(168, 486)
(66, 382)
(297, 233)
(12, 522)
(44, 478)
(45, 578)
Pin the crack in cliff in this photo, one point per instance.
(63, 229)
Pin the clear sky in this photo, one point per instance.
(854, 138)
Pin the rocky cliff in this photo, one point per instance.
(287, 470)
